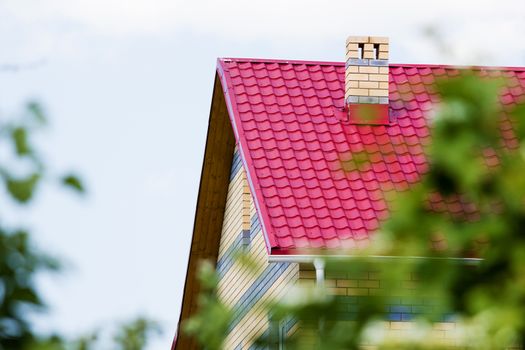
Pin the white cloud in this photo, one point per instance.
(491, 28)
(271, 17)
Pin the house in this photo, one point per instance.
(279, 179)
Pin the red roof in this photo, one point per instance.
(310, 190)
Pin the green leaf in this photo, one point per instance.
(73, 182)
(36, 112)
(86, 342)
(22, 189)
(20, 141)
(134, 335)
(28, 296)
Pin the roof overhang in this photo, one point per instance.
(211, 203)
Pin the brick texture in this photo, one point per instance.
(398, 324)
(366, 60)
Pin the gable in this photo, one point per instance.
(302, 157)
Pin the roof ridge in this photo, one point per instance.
(279, 61)
(333, 63)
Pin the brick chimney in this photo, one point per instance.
(366, 79)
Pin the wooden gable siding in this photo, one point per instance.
(246, 290)
(211, 202)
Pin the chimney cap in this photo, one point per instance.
(367, 39)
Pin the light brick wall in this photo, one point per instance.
(245, 290)
(366, 68)
(352, 286)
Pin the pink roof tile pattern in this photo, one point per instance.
(311, 189)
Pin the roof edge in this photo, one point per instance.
(243, 147)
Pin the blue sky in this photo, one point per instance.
(127, 86)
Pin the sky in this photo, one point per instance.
(127, 86)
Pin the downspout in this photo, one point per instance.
(319, 271)
(319, 277)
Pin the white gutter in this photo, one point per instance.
(311, 259)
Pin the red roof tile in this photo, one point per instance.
(311, 187)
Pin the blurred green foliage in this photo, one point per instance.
(476, 167)
(20, 260)
(211, 324)
(22, 172)
(134, 335)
